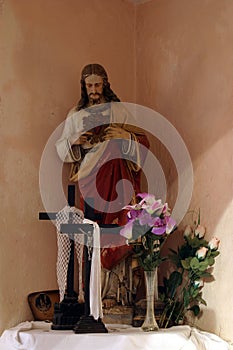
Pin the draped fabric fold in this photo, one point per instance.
(64, 247)
(95, 277)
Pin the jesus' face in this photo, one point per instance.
(94, 87)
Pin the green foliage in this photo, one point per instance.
(195, 309)
(147, 251)
(182, 290)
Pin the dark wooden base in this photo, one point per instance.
(67, 313)
(87, 324)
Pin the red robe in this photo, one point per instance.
(105, 176)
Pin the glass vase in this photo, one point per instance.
(150, 323)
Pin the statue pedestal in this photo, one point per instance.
(118, 315)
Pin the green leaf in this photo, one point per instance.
(204, 274)
(174, 259)
(211, 261)
(194, 263)
(195, 293)
(186, 263)
(203, 265)
(215, 253)
(199, 216)
(185, 251)
(195, 309)
(197, 243)
(174, 281)
(186, 298)
(202, 301)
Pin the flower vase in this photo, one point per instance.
(150, 323)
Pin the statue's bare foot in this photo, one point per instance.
(108, 303)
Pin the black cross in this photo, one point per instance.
(86, 323)
(53, 216)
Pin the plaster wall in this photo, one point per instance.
(44, 46)
(185, 71)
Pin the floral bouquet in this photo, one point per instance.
(183, 288)
(149, 224)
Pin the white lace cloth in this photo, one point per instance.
(39, 336)
(64, 247)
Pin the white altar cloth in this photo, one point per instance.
(39, 336)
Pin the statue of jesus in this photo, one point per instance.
(96, 165)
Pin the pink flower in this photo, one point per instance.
(158, 221)
(188, 231)
(150, 214)
(214, 243)
(161, 226)
(156, 208)
(199, 231)
(146, 219)
(133, 207)
(133, 214)
(201, 253)
(150, 204)
(148, 198)
(126, 231)
(165, 209)
(159, 230)
(170, 225)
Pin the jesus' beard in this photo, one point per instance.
(96, 101)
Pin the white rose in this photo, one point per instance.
(199, 284)
(199, 231)
(201, 253)
(188, 231)
(214, 243)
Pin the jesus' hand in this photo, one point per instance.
(84, 138)
(116, 132)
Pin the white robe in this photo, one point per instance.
(74, 128)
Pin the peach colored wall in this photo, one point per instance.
(44, 45)
(185, 72)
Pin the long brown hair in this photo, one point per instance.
(97, 69)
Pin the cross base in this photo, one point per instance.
(67, 313)
(87, 324)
